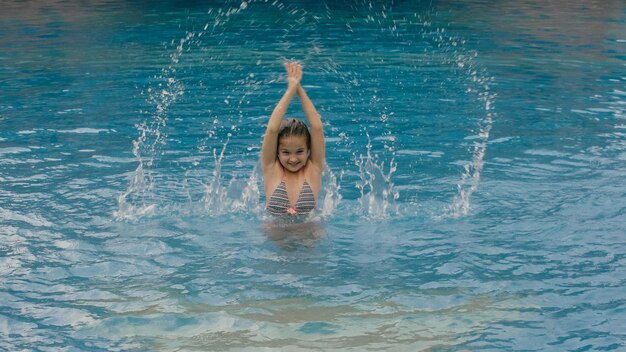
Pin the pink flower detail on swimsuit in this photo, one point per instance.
(291, 211)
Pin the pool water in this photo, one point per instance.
(474, 195)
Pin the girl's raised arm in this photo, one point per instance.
(270, 140)
(318, 148)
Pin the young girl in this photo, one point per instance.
(292, 158)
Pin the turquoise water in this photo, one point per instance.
(474, 197)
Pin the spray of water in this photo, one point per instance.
(332, 195)
(477, 83)
(138, 199)
(221, 197)
(470, 179)
(378, 193)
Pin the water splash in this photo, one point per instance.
(129, 208)
(470, 179)
(332, 195)
(139, 198)
(220, 196)
(235, 196)
(378, 193)
(215, 194)
(477, 85)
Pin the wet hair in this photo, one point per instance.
(294, 127)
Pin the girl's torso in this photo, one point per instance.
(289, 193)
(279, 203)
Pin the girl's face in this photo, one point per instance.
(293, 153)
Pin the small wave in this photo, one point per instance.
(84, 130)
(31, 219)
(111, 159)
(14, 150)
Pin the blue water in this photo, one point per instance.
(474, 197)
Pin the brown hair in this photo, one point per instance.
(294, 127)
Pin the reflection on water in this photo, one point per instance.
(292, 234)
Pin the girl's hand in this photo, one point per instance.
(294, 74)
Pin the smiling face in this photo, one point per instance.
(293, 152)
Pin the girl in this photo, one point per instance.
(292, 157)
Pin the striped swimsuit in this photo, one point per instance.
(279, 202)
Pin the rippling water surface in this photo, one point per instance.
(474, 197)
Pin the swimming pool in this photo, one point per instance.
(474, 197)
